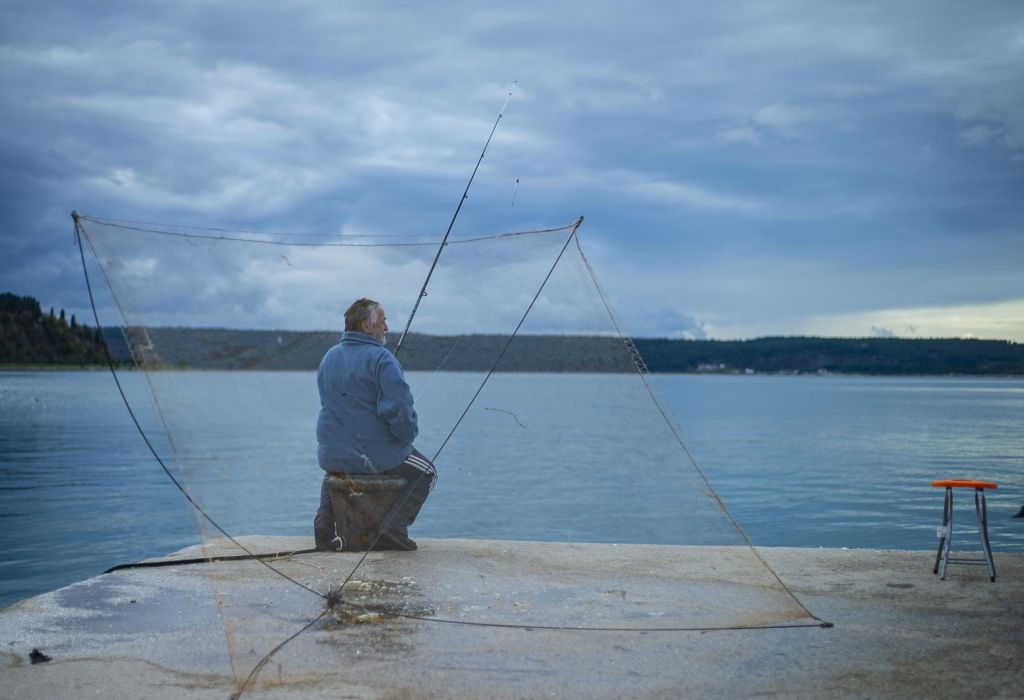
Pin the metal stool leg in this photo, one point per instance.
(949, 534)
(982, 514)
(944, 530)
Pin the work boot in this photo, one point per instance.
(394, 541)
(323, 534)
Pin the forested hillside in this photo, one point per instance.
(30, 337)
(239, 349)
(839, 355)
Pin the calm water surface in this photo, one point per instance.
(799, 461)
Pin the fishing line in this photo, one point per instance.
(263, 662)
(444, 241)
(515, 191)
(569, 628)
(438, 369)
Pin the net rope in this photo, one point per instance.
(317, 240)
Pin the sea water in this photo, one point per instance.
(803, 461)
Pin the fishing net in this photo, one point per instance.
(551, 449)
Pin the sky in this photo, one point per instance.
(744, 169)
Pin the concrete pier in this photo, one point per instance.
(166, 632)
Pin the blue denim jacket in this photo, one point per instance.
(367, 422)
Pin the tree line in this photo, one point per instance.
(212, 348)
(30, 337)
(881, 356)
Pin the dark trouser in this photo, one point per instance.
(421, 476)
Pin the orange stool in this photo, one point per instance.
(946, 531)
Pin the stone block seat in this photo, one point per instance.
(360, 503)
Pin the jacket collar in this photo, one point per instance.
(357, 337)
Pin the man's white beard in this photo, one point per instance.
(383, 339)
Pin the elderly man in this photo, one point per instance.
(367, 424)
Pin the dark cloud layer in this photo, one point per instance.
(781, 167)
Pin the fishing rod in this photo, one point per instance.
(444, 241)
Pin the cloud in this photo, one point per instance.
(665, 321)
(785, 121)
(646, 189)
(980, 134)
(999, 115)
(685, 193)
(747, 168)
(783, 118)
(739, 134)
(1001, 320)
(684, 326)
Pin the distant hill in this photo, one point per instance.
(240, 349)
(30, 337)
(219, 348)
(841, 355)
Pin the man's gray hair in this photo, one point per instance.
(361, 310)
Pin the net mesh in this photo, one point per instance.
(533, 405)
